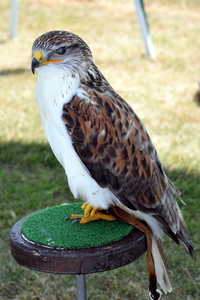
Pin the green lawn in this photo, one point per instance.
(161, 92)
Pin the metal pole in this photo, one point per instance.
(13, 18)
(144, 28)
(81, 287)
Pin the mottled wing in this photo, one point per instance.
(115, 148)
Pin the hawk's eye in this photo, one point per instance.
(61, 50)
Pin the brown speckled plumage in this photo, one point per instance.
(110, 140)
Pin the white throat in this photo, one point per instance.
(55, 87)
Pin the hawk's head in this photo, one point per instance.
(60, 47)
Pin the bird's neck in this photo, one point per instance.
(94, 79)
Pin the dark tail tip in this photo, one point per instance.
(186, 242)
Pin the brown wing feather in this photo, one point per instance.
(116, 149)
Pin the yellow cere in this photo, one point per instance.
(38, 56)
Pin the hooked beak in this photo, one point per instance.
(35, 64)
(36, 61)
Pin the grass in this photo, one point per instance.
(160, 91)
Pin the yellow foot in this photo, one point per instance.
(92, 214)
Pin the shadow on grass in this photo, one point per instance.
(18, 71)
(32, 176)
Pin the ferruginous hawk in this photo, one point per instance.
(107, 154)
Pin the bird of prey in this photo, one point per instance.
(105, 150)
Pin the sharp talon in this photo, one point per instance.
(75, 220)
(90, 214)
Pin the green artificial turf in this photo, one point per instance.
(49, 227)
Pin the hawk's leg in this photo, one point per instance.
(92, 214)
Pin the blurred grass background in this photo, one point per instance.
(161, 92)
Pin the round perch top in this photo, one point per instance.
(49, 227)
